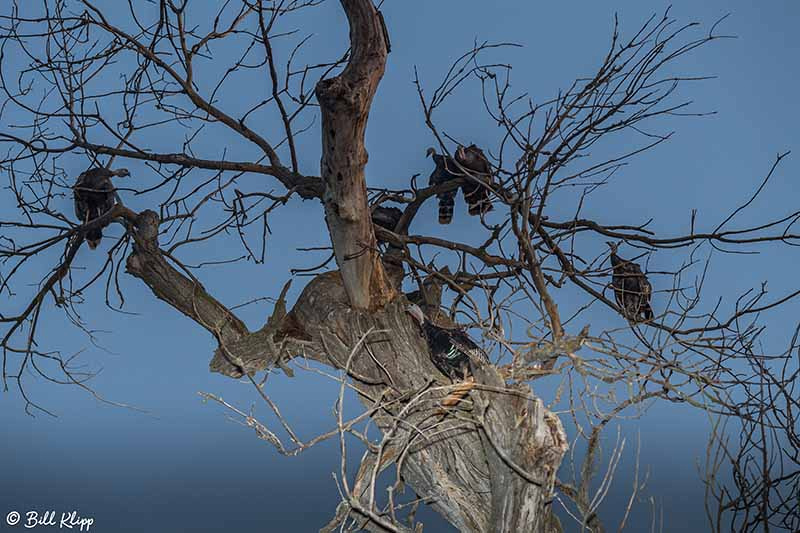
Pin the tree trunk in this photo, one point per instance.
(489, 469)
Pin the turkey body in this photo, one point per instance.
(632, 290)
(476, 194)
(386, 217)
(452, 351)
(468, 161)
(94, 196)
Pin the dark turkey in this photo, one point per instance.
(476, 194)
(386, 217)
(391, 254)
(632, 290)
(445, 171)
(452, 351)
(94, 196)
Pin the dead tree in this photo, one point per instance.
(486, 453)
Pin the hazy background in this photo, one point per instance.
(184, 466)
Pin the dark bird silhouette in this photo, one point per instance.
(452, 351)
(632, 290)
(471, 162)
(445, 171)
(386, 217)
(94, 196)
(476, 194)
(392, 254)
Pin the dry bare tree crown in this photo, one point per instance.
(152, 86)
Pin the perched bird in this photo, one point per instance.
(631, 288)
(392, 254)
(94, 196)
(452, 351)
(476, 194)
(445, 171)
(386, 217)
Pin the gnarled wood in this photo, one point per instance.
(463, 470)
(491, 469)
(493, 473)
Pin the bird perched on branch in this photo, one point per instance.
(471, 162)
(386, 217)
(94, 196)
(392, 256)
(631, 288)
(445, 171)
(476, 194)
(452, 351)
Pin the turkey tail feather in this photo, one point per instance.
(446, 206)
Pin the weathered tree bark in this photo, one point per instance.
(345, 102)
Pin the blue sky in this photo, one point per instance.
(183, 465)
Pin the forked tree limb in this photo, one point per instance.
(187, 295)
